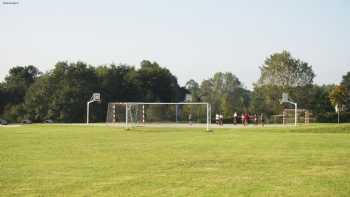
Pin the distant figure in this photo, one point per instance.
(255, 119)
(222, 119)
(217, 119)
(246, 119)
(262, 120)
(190, 119)
(235, 118)
(242, 118)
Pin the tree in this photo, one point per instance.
(318, 99)
(157, 83)
(265, 99)
(72, 85)
(225, 93)
(193, 87)
(338, 98)
(2, 98)
(37, 99)
(280, 73)
(346, 83)
(281, 69)
(13, 90)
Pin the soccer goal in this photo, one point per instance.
(138, 114)
(304, 116)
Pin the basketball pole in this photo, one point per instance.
(286, 100)
(207, 116)
(126, 115)
(296, 114)
(95, 97)
(88, 111)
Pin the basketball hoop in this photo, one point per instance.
(286, 100)
(96, 97)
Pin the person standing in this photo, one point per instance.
(255, 119)
(246, 119)
(243, 119)
(217, 119)
(235, 118)
(222, 119)
(262, 120)
(190, 119)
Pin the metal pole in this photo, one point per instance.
(207, 116)
(296, 114)
(143, 114)
(87, 112)
(176, 112)
(126, 115)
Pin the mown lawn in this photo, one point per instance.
(56, 160)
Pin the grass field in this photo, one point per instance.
(43, 160)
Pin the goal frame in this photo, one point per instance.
(126, 104)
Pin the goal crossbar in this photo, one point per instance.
(161, 103)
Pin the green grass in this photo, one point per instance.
(42, 160)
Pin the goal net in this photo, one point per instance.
(134, 114)
(288, 117)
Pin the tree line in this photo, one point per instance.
(61, 93)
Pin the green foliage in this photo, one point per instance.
(73, 85)
(157, 83)
(317, 99)
(62, 93)
(193, 87)
(346, 83)
(338, 96)
(282, 73)
(13, 91)
(281, 69)
(223, 91)
(38, 98)
(266, 99)
(332, 117)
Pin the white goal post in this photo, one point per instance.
(145, 112)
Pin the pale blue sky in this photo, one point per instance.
(193, 38)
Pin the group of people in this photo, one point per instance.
(219, 119)
(245, 118)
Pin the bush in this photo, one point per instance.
(332, 117)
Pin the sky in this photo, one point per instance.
(192, 38)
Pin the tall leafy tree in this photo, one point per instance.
(157, 83)
(16, 84)
(338, 98)
(73, 85)
(318, 99)
(19, 80)
(193, 87)
(225, 93)
(38, 98)
(346, 83)
(282, 69)
(282, 72)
